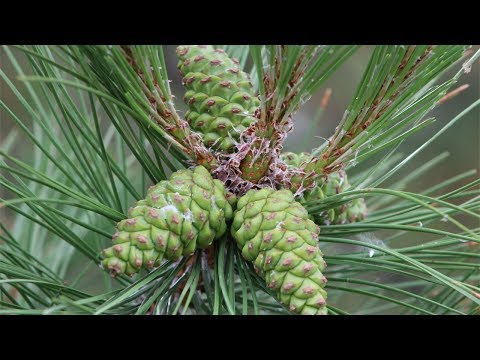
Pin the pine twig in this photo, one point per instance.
(167, 117)
(389, 78)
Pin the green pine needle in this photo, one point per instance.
(86, 143)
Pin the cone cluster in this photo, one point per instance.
(191, 209)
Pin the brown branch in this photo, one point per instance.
(453, 93)
(326, 98)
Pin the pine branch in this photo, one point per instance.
(388, 100)
(139, 79)
(287, 79)
(83, 174)
(154, 83)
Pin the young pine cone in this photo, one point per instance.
(179, 215)
(355, 210)
(219, 95)
(273, 231)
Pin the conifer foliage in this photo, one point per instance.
(194, 207)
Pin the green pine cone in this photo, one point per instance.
(273, 231)
(355, 210)
(219, 95)
(179, 215)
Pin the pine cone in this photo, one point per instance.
(177, 216)
(273, 231)
(337, 182)
(220, 96)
